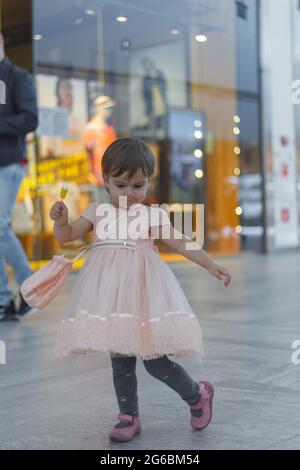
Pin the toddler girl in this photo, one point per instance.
(126, 301)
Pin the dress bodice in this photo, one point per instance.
(124, 228)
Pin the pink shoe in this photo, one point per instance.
(126, 434)
(204, 406)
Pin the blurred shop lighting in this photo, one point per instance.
(174, 31)
(236, 130)
(198, 153)
(199, 174)
(37, 37)
(121, 19)
(198, 134)
(227, 231)
(237, 150)
(238, 211)
(252, 231)
(201, 37)
(236, 119)
(90, 12)
(126, 46)
(197, 123)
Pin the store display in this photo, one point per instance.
(62, 115)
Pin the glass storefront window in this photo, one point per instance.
(180, 75)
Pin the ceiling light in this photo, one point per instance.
(121, 19)
(201, 38)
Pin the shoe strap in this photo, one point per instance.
(124, 418)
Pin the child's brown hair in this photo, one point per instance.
(127, 155)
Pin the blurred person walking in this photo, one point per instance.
(18, 116)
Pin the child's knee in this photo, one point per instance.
(123, 366)
(157, 367)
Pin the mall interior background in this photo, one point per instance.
(182, 75)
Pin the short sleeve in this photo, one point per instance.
(90, 213)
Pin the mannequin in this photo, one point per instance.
(98, 135)
(154, 94)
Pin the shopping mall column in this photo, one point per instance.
(18, 116)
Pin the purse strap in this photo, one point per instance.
(82, 252)
(91, 244)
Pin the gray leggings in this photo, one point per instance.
(162, 368)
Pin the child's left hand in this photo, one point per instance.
(220, 273)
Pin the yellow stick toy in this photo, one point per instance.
(63, 191)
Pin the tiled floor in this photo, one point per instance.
(248, 331)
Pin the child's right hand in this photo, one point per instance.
(59, 213)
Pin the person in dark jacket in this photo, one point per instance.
(18, 116)
(155, 95)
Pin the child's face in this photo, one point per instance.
(135, 189)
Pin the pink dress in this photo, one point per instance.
(127, 300)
